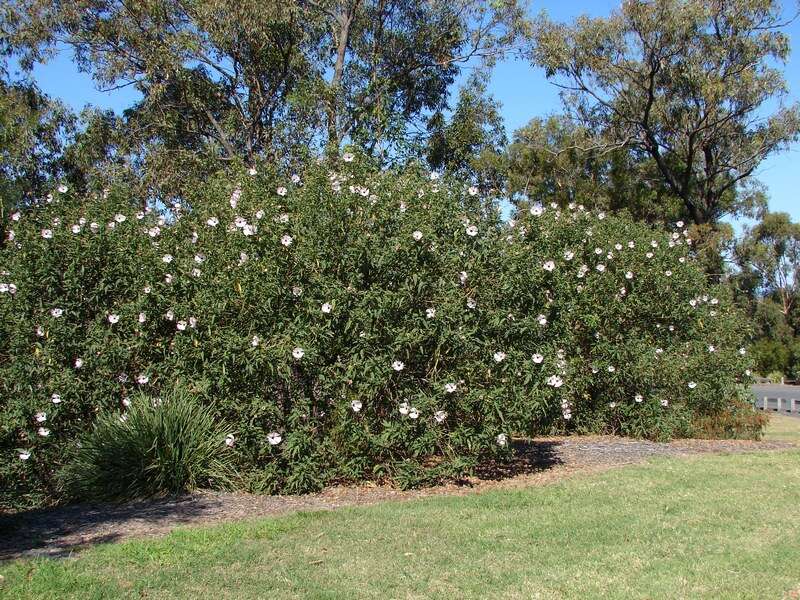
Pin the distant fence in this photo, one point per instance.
(787, 405)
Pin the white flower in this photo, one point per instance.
(450, 387)
(196, 272)
(398, 365)
(537, 209)
(348, 157)
(601, 216)
(169, 315)
(542, 320)
(297, 290)
(16, 216)
(711, 348)
(537, 358)
(664, 402)
(113, 318)
(126, 402)
(440, 416)
(601, 267)
(742, 351)
(462, 277)
(326, 308)
(43, 431)
(471, 303)
(598, 251)
(649, 255)
(120, 218)
(611, 368)
(472, 231)
(668, 273)
(62, 188)
(230, 440)
(692, 385)
(638, 398)
(212, 222)
(747, 372)
(654, 243)
(502, 439)
(430, 313)
(252, 171)
(569, 255)
(24, 455)
(40, 331)
(287, 240)
(612, 405)
(40, 417)
(142, 379)
(499, 356)
(95, 227)
(298, 353)
(255, 341)
(631, 244)
(404, 408)
(47, 233)
(549, 265)
(181, 325)
(56, 312)
(434, 175)
(555, 381)
(472, 191)
(356, 405)
(76, 229)
(417, 235)
(282, 218)
(629, 275)
(281, 191)
(413, 413)
(274, 438)
(295, 178)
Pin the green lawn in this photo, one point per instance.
(704, 527)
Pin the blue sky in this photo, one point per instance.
(522, 90)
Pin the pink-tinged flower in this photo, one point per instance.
(298, 353)
(348, 157)
(181, 325)
(555, 381)
(40, 417)
(62, 189)
(281, 191)
(230, 440)
(537, 358)
(142, 379)
(43, 431)
(274, 438)
(502, 439)
(113, 319)
(16, 216)
(78, 363)
(537, 209)
(56, 312)
(287, 240)
(24, 455)
(356, 405)
(47, 233)
(126, 402)
(549, 265)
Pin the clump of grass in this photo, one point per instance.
(167, 446)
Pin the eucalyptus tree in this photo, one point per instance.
(695, 85)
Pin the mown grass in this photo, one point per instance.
(706, 527)
(783, 429)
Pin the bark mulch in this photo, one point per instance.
(61, 531)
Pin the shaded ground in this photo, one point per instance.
(59, 531)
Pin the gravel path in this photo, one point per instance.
(60, 531)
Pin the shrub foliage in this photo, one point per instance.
(351, 324)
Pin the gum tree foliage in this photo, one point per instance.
(226, 80)
(350, 323)
(694, 85)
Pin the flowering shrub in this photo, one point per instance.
(350, 325)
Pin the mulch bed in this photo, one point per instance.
(61, 531)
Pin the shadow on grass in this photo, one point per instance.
(59, 531)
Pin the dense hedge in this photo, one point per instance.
(351, 325)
